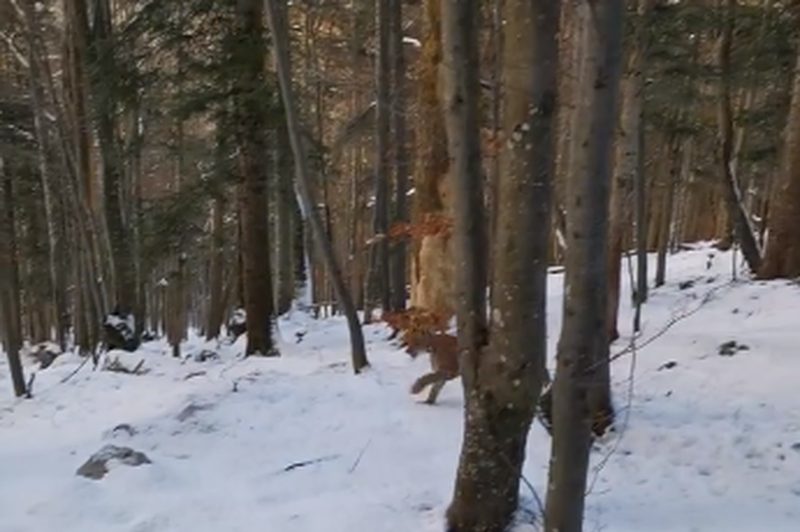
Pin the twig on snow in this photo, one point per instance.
(358, 458)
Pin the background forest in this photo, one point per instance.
(175, 170)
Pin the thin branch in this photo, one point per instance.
(18, 55)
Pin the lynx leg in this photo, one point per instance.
(434, 393)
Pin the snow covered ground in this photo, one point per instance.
(708, 442)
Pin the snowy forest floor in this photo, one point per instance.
(706, 442)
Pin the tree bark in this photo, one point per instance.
(9, 284)
(250, 113)
(627, 158)
(742, 226)
(379, 270)
(668, 201)
(432, 265)
(583, 342)
(782, 254)
(286, 201)
(104, 69)
(278, 26)
(502, 380)
(401, 155)
(216, 306)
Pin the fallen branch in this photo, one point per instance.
(304, 463)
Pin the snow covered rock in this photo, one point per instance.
(97, 466)
(120, 331)
(237, 323)
(45, 353)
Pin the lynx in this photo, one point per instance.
(443, 352)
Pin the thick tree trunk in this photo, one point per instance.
(251, 127)
(583, 343)
(782, 254)
(278, 26)
(502, 381)
(432, 265)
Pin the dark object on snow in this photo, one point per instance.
(119, 329)
(205, 355)
(191, 410)
(237, 323)
(118, 366)
(667, 365)
(96, 466)
(304, 463)
(149, 336)
(684, 285)
(730, 348)
(123, 427)
(45, 353)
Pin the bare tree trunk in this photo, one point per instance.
(379, 269)
(278, 26)
(401, 155)
(668, 200)
(741, 220)
(104, 68)
(502, 380)
(627, 158)
(47, 177)
(782, 255)
(432, 264)
(9, 284)
(287, 206)
(216, 305)
(496, 45)
(250, 116)
(583, 343)
(640, 230)
(176, 316)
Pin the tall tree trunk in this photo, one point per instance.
(782, 254)
(104, 69)
(583, 343)
(176, 302)
(640, 231)
(251, 125)
(627, 158)
(401, 156)
(279, 29)
(90, 301)
(432, 274)
(733, 199)
(668, 201)
(496, 46)
(9, 284)
(286, 206)
(46, 175)
(502, 381)
(216, 304)
(380, 284)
